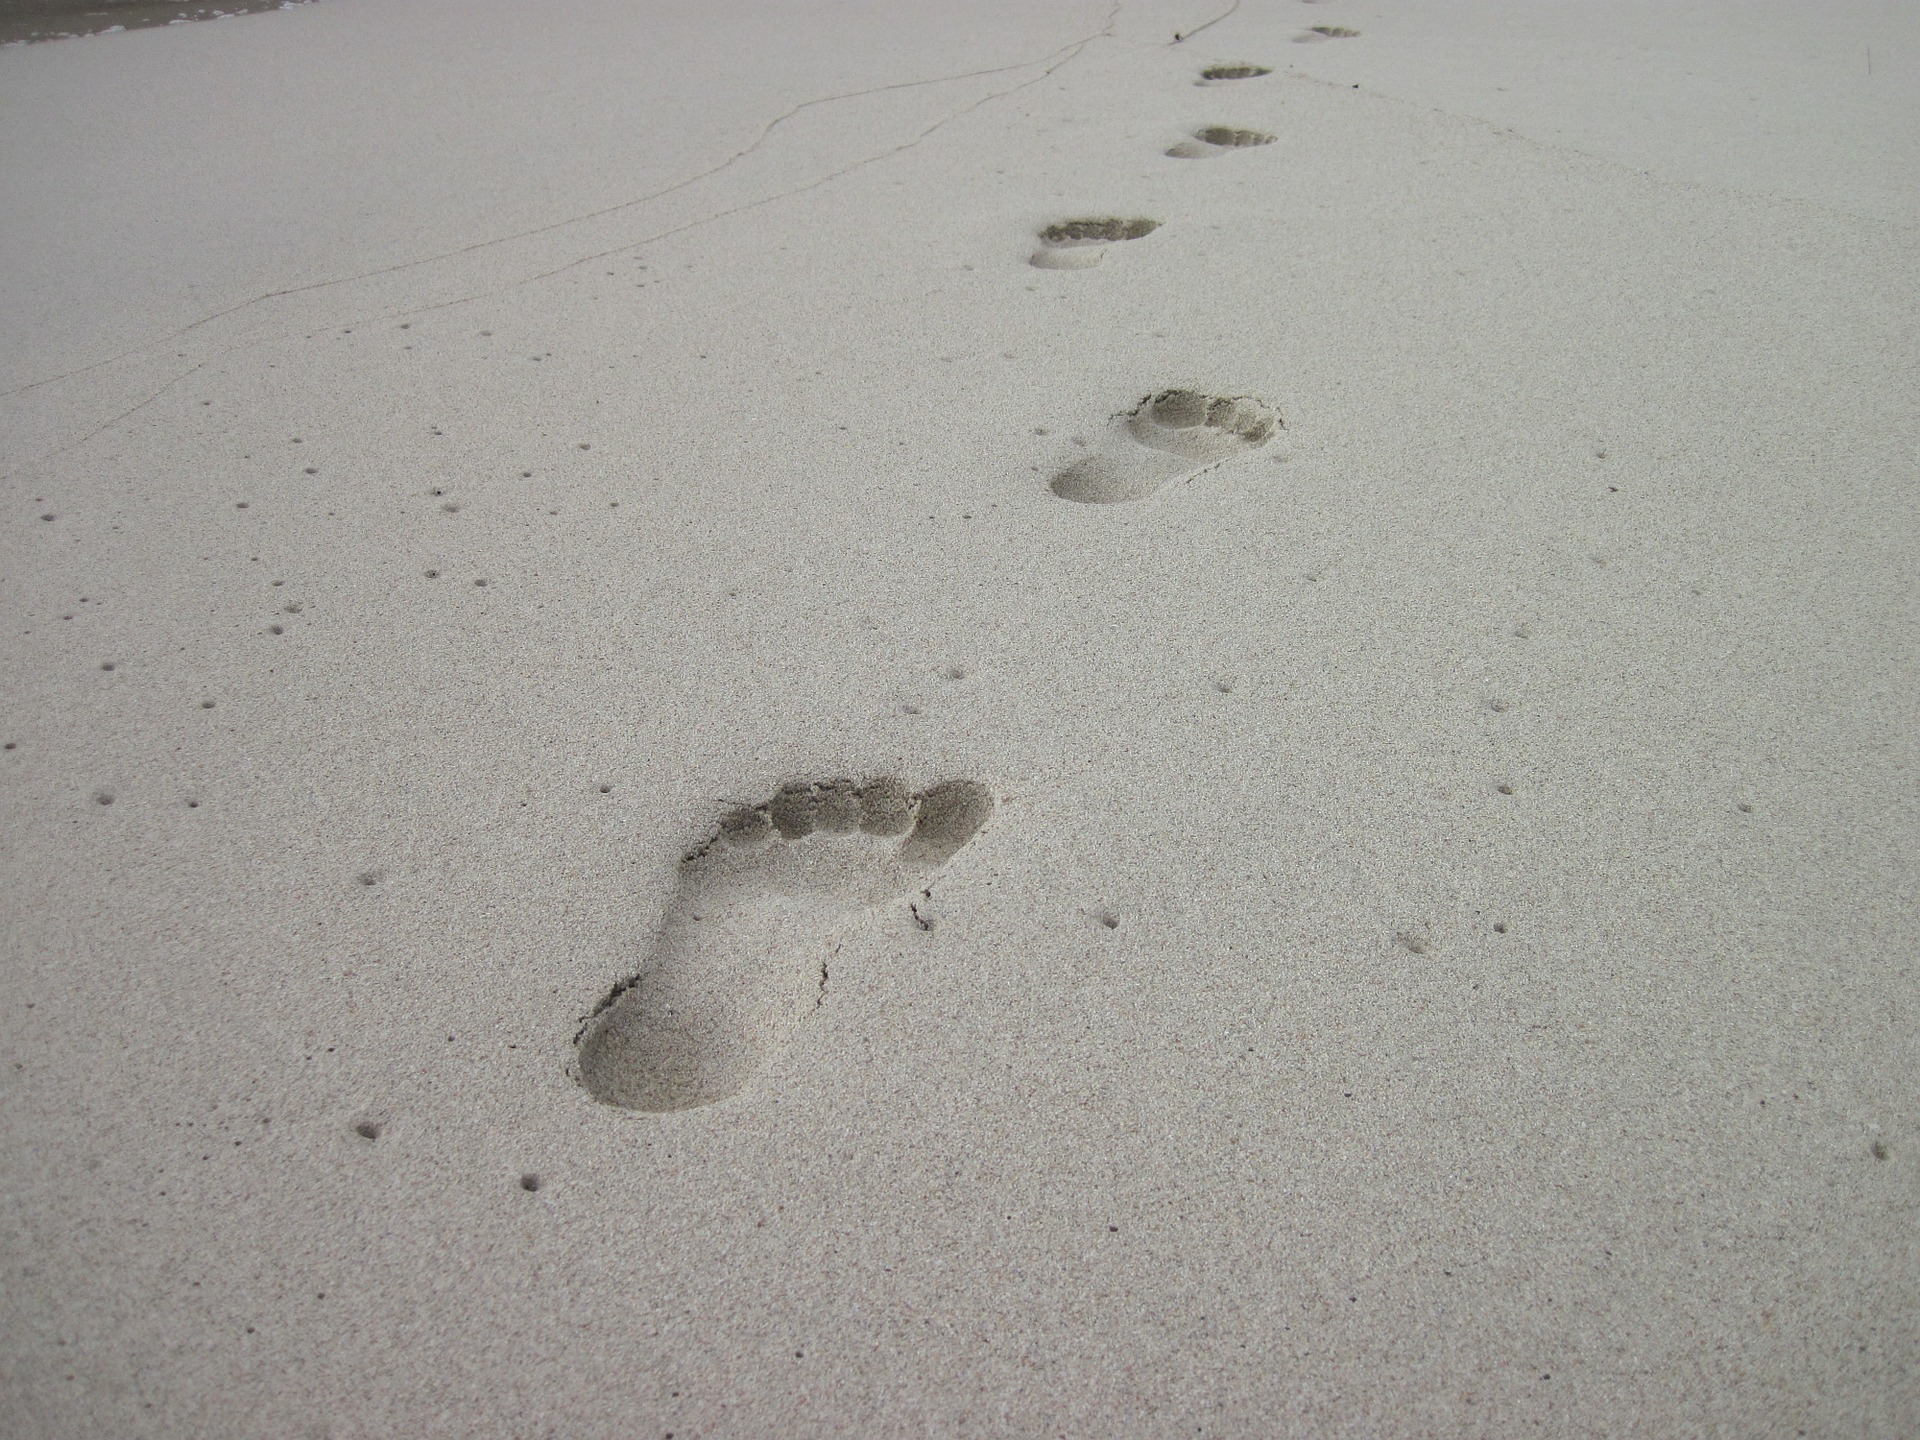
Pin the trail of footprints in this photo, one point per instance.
(740, 958)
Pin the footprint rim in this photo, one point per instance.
(1232, 137)
(1210, 142)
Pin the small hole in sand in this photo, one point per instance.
(1499, 927)
(206, 704)
(1744, 808)
(367, 1129)
(370, 877)
(276, 629)
(606, 789)
(103, 797)
(433, 574)
(1504, 789)
(529, 1181)
(107, 665)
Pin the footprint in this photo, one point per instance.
(1217, 140)
(1316, 33)
(1220, 74)
(1175, 433)
(741, 956)
(1081, 244)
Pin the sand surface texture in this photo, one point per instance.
(747, 720)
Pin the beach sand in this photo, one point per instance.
(1418, 935)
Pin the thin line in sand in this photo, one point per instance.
(1180, 38)
(1059, 58)
(1068, 52)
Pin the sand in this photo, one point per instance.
(1437, 952)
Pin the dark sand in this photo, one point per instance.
(30, 20)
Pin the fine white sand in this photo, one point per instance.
(1438, 957)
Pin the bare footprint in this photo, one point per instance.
(1223, 74)
(741, 956)
(1165, 437)
(1081, 244)
(1217, 140)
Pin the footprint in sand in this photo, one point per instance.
(1082, 244)
(1224, 74)
(1217, 140)
(741, 956)
(1315, 34)
(1165, 437)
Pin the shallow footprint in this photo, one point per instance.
(741, 956)
(1166, 436)
(1317, 33)
(1081, 244)
(1217, 140)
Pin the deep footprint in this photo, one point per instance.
(1220, 74)
(1165, 437)
(1217, 140)
(1082, 244)
(741, 955)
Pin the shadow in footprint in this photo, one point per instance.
(1217, 140)
(1165, 437)
(1082, 244)
(741, 955)
(1223, 74)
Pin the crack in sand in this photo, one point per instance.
(1067, 54)
(1181, 37)
(1053, 61)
